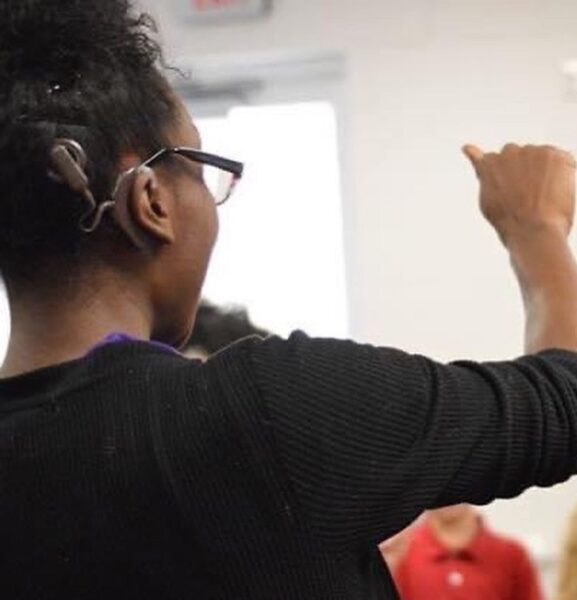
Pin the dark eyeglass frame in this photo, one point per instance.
(204, 158)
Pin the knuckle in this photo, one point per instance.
(552, 151)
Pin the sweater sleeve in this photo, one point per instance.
(371, 437)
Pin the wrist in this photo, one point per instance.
(552, 233)
(541, 258)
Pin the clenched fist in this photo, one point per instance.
(525, 189)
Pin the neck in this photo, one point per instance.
(456, 534)
(57, 326)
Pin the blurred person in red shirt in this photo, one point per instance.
(394, 548)
(452, 555)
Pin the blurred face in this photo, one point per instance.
(182, 265)
(451, 514)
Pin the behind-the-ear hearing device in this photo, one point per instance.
(68, 168)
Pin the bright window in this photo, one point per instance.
(280, 249)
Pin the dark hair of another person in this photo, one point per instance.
(216, 327)
(78, 69)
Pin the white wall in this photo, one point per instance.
(424, 76)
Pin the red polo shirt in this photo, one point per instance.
(492, 567)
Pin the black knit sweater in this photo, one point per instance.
(269, 473)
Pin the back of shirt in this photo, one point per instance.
(270, 472)
(135, 473)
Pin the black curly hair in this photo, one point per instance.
(80, 69)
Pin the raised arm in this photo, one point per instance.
(527, 194)
(371, 437)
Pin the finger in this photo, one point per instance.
(570, 158)
(475, 156)
(473, 153)
(509, 148)
(567, 156)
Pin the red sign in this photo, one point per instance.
(225, 9)
(214, 4)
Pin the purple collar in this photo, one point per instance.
(117, 337)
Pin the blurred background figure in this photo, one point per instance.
(394, 549)
(217, 327)
(567, 584)
(452, 555)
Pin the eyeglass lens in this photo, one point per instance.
(219, 182)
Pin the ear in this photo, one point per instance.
(140, 210)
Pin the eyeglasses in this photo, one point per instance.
(68, 162)
(220, 175)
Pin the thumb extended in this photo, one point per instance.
(473, 153)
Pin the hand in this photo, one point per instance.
(526, 190)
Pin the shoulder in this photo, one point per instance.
(508, 547)
(144, 368)
(337, 363)
(420, 540)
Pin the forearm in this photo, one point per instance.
(547, 274)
